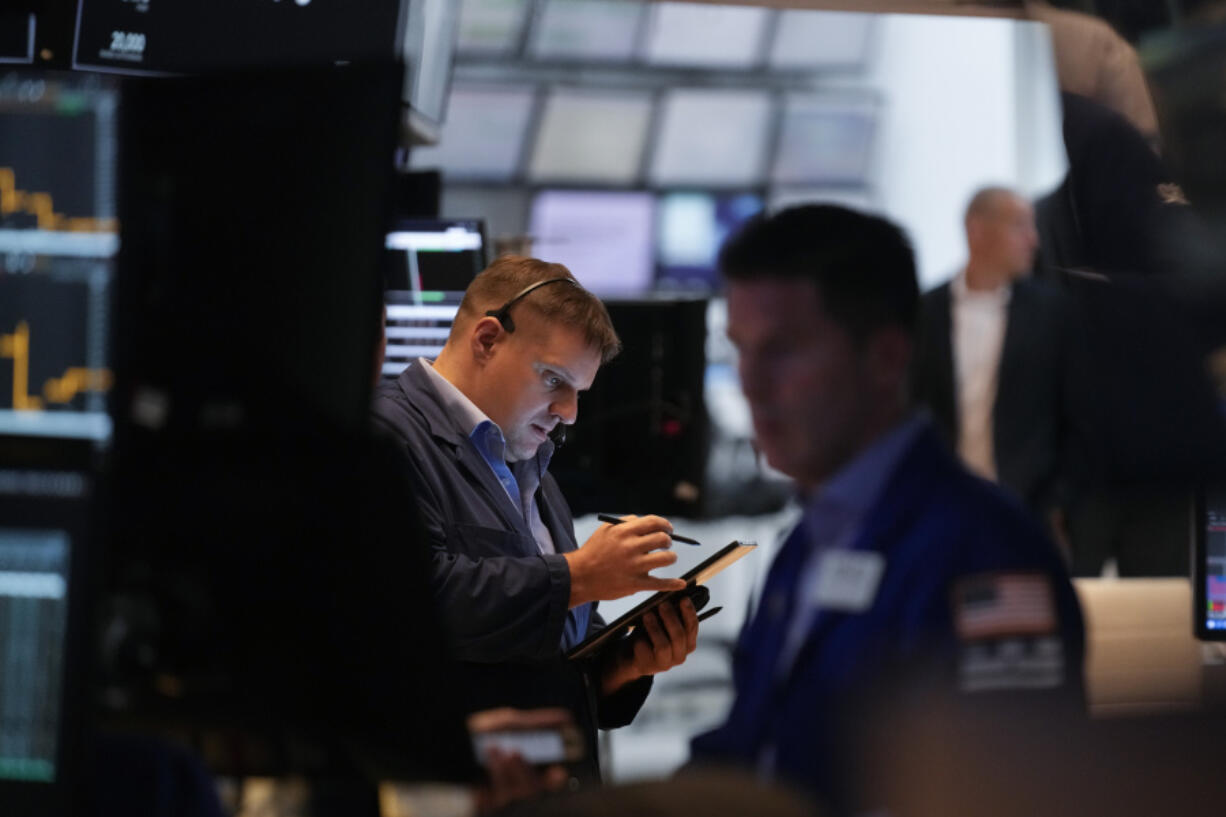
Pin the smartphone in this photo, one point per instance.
(539, 747)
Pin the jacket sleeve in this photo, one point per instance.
(495, 607)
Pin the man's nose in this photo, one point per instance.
(566, 407)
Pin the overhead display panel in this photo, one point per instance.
(706, 36)
(491, 27)
(815, 40)
(825, 141)
(604, 237)
(144, 36)
(712, 138)
(483, 137)
(591, 137)
(587, 30)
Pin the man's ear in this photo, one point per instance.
(484, 338)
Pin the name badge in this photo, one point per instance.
(847, 580)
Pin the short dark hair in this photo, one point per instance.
(571, 306)
(862, 265)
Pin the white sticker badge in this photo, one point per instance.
(847, 580)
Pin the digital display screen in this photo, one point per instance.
(33, 636)
(490, 27)
(692, 228)
(45, 518)
(810, 40)
(704, 35)
(596, 30)
(712, 138)
(825, 141)
(58, 239)
(1212, 567)
(431, 263)
(153, 36)
(604, 237)
(483, 136)
(591, 137)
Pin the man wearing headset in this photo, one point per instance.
(510, 582)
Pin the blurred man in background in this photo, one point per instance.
(903, 565)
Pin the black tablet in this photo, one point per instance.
(695, 579)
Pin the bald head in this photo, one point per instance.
(1001, 237)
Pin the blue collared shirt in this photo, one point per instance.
(520, 479)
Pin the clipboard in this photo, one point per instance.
(695, 579)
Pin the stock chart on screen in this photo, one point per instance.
(58, 240)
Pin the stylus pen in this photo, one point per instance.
(613, 520)
(707, 614)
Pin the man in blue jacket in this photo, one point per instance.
(512, 586)
(904, 565)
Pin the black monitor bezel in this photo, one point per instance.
(78, 516)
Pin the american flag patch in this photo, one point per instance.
(996, 605)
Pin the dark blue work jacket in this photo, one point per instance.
(938, 529)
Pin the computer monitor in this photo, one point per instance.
(1209, 563)
(144, 37)
(591, 137)
(712, 137)
(483, 137)
(45, 520)
(603, 236)
(430, 264)
(58, 241)
(692, 227)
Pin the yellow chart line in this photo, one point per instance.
(63, 389)
(42, 207)
(17, 347)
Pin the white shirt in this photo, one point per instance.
(978, 320)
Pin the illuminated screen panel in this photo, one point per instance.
(490, 27)
(58, 238)
(483, 136)
(1211, 571)
(603, 237)
(811, 40)
(692, 228)
(33, 638)
(591, 137)
(430, 264)
(151, 36)
(825, 142)
(597, 30)
(710, 137)
(707, 36)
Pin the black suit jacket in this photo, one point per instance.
(502, 602)
(1030, 428)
